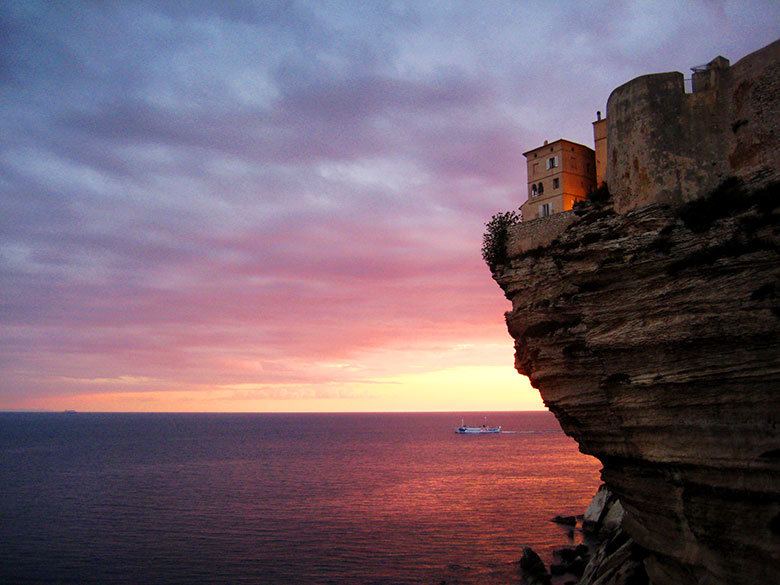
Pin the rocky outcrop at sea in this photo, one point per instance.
(608, 556)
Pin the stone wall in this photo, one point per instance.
(666, 146)
(753, 127)
(538, 232)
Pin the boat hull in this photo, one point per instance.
(478, 430)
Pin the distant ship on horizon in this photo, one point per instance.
(465, 429)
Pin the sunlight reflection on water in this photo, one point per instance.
(318, 499)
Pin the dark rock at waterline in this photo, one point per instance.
(530, 562)
(558, 569)
(616, 561)
(566, 555)
(572, 560)
(533, 568)
(565, 520)
(604, 515)
(577, 566)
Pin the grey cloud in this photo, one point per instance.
(180, 179)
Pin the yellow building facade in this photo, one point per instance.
(560, 173)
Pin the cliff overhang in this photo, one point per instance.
(648, 318)
(653, 337)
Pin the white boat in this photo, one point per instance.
(465, 429)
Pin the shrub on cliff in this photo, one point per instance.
(495, 238)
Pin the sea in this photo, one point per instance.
(355, 499)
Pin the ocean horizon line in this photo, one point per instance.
(73, 411)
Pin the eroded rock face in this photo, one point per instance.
(653, 337)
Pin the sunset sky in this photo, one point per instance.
(279, 206)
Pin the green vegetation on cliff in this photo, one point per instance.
(495, 238)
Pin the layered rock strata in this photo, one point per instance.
(653, 337)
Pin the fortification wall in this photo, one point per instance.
(538, 232)
(753, 126)
(666, 146)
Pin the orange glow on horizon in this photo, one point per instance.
(461, 377)
(457, 389)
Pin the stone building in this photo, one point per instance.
(659, 144)
(559, 174)
(665, 145)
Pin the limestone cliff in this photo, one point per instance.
(649, 318)
(653, 337)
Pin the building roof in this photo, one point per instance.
(549, 144)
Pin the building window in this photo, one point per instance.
(552, 162)
(533, 190)
(545, 209)
(556, 183)
(541, 188)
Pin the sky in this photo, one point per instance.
(279, 206)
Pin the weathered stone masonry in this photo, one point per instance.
(539, 232)
(666, 146)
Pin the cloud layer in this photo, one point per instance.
(218, 195)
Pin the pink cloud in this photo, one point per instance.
(189, 206)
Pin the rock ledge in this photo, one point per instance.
(653, 337)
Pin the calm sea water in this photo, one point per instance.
(279, 498)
